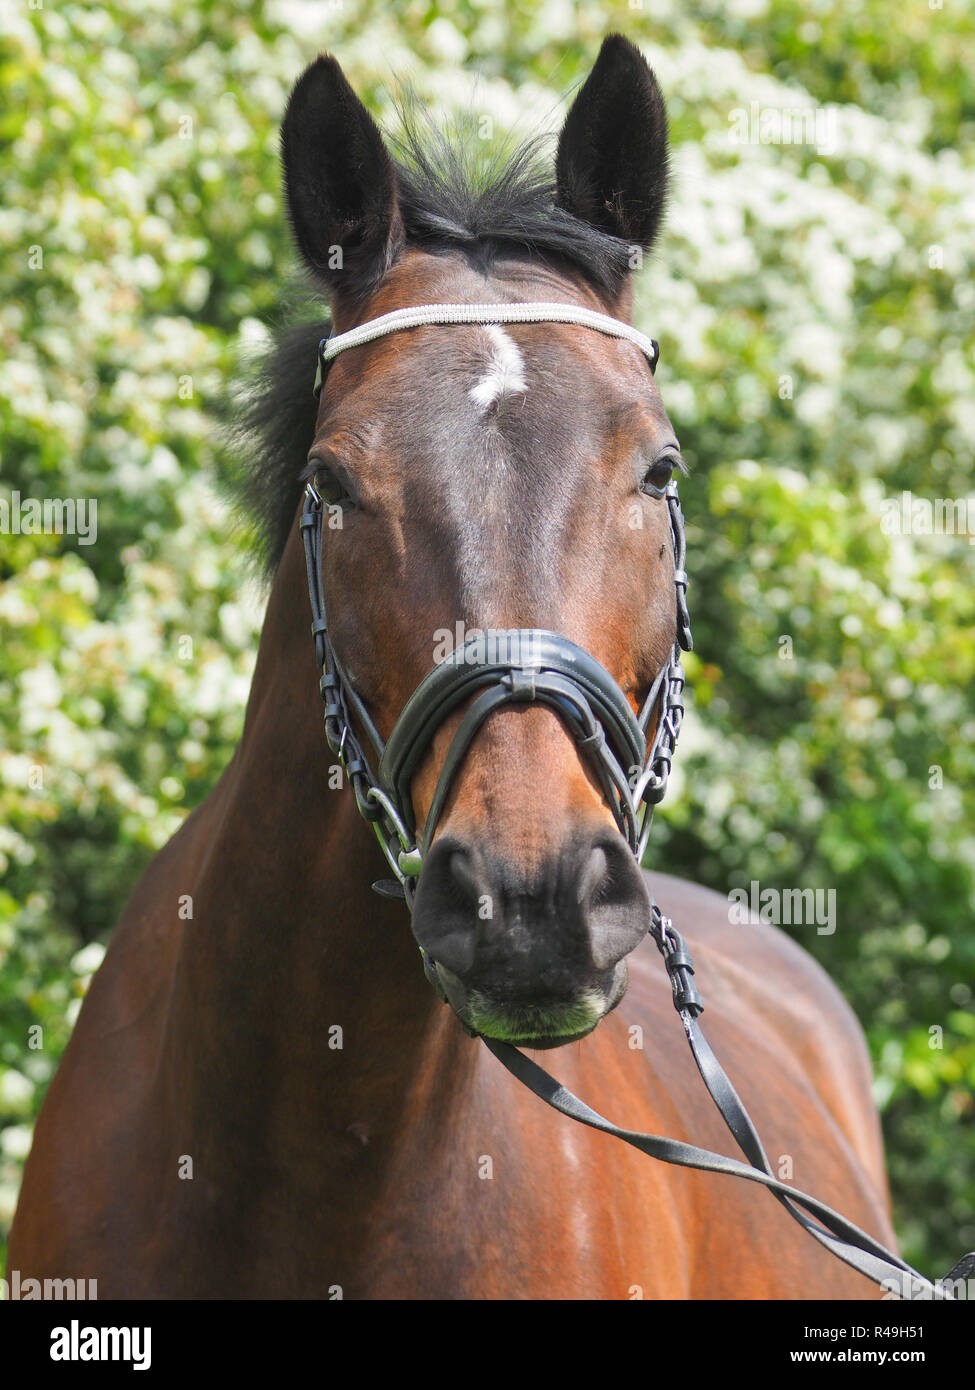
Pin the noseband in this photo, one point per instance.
(533, 666)
(512, 666)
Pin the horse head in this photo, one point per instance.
(496, 482)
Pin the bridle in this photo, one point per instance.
(531, 665)
(513, 666)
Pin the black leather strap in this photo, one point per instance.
(845, 1240)
(529, 665)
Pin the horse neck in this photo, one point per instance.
(297, 986)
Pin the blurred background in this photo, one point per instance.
(813, 298)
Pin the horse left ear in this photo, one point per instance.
(611, 167)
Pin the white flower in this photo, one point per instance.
(15, 1140)
(88, 959)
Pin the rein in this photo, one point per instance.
(531, 665)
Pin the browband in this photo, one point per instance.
(419, 315)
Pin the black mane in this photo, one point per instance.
(453, 192)
(269, 436)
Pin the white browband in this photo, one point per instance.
(419, 315)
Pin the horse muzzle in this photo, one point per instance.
(537, 962)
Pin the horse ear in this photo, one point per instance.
(611, 167)
(339, 182)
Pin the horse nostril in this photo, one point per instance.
(445, 913)
(547, 934)
(465, 875)
(592, 876)
(615, 902)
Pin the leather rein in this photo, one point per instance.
(530, 665)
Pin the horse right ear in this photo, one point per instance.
(339, 183)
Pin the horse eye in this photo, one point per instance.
(658, 475)
(332, 489)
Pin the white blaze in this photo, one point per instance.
(506, 369)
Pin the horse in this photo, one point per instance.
(263, 1096)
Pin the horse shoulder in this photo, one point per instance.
(93, 1126)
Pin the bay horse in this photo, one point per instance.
(263, 1097)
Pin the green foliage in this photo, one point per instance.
(814, 307)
